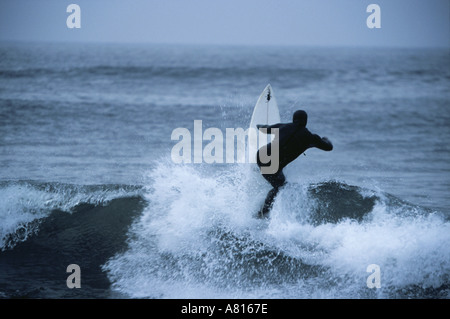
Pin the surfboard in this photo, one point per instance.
(265, 112)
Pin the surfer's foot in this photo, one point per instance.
(262, 215)
(264, 211)
(268, 203)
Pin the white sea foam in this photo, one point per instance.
(199, 238)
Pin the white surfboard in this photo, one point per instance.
(265, 112)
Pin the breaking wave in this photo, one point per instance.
(199, 237)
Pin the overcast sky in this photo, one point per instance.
(260, 22)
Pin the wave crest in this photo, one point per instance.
(25, 204)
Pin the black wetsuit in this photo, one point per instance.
(294, 139)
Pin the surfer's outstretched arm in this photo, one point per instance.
(322, 143)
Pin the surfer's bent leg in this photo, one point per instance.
(277, 180)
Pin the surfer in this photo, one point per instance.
(294, 139)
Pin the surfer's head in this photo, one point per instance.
(300, 117)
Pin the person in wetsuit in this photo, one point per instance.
(294, 139)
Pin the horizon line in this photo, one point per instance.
(112, 42)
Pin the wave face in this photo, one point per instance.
(44, 227)
(199, 238)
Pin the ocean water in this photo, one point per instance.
(86, 175)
